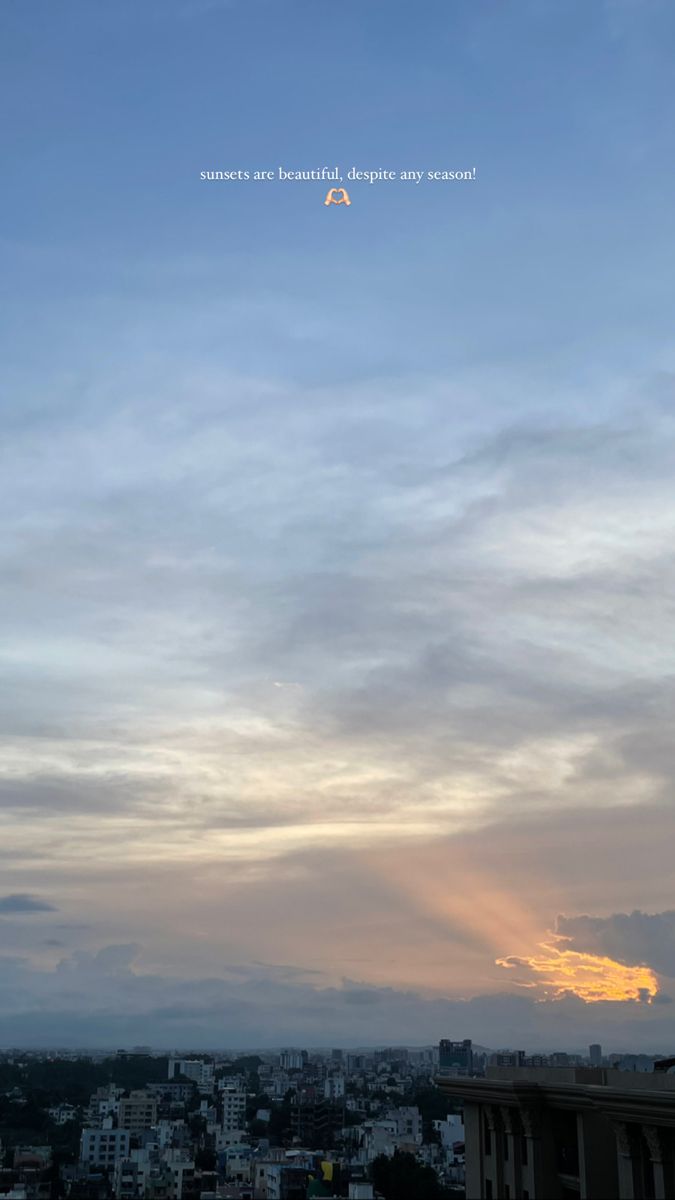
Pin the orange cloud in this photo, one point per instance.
(591, 977)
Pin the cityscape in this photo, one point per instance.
(432, 1123)
(337, 600)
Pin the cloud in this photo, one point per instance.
(85, 1004)
(628, 937)
(23, 902)
(438, 591)
(612, 957)
(399, 659)
(556, 971)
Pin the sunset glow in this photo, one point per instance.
(559, 972)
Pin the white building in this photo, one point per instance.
(195, 1069)
(408, 1123)
(234, 1109)
(291, 1060)
(105, 1102)
(334, 1087)
(377, 1137)
(104, 1147)
(451, 1130)
(62, 1114)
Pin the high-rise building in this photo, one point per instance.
(312, 1119)
(234, 1109)
(595, 1054)
(455, 1058)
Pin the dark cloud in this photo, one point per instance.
(87, 1008)
(636, 937)
(23, 902)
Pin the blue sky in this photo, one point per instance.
(336, 542)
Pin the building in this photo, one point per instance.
(507, 1058)
(194, 1069)
(455, 1058)
(137, 1111)
(234, 1109)
(562, 1134)
(312, 1120)
(595, 1054)
(103, 1147)
(334, 1087)
(104, 1103)
(62, 1114)
(293, 1060)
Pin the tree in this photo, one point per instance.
(402, 1178)
(433, 1106)
(205, 1160)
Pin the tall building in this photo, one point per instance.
(312, 1120)
(455, 1058)
(234, 1109)
(595, 1054)
(567, 1134)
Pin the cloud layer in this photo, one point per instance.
(22, 902)
(337, 559)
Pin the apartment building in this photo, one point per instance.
(567, 1134)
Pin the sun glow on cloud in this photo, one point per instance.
(592, 977)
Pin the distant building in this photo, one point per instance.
(334, 1087)
(508, 1058)
(292, 1060)
(595, 1054)
(455, 1058)
(195, 1069)
(62, 1114)
(557, 1134)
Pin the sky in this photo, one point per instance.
(336, 542)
